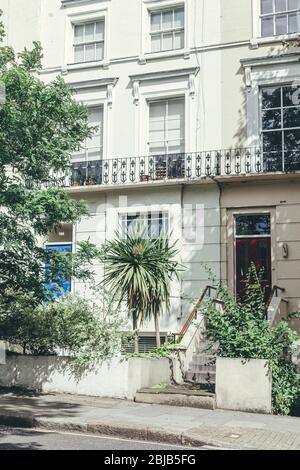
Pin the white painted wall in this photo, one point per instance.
(244, 385)
(116, 379)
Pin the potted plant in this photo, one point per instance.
(90, 182)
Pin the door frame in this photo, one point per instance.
(231, 244)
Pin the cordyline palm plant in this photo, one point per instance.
(139, 271)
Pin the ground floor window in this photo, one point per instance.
(57, 283)
(152, 224)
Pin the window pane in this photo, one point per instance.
(271, 119)
(267, 26)
(175, 125)
(95, 119)
(156, 43)
(79, 54)
(292, 139)
(179, 40)
(156, 21)
(291, 96)
(293, 23)
(249, 225)
(78, 34)
(89, 32)
(271, 98)
(157, 148)
(179, 18)
(291, 117)
(266, 6)
(99, 31)
(157, 135)
(272, 141)
(95, 116)
(281, 24)
(167, 19)
(167, 42)
(293, 4)
(280, 5)
(90, 52)
(99, 51)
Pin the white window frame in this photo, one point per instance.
(74, 18)
(144, 213)
(165, 85)
(257, 38)
(282, 129)
(88, 43)
(149, 6)
(270, 72)
(165, 100)
(84, 151)
(172, 30)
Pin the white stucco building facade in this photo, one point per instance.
(170, 83)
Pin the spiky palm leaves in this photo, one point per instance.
(139, 271)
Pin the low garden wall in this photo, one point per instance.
(118, 378)
(244, 385)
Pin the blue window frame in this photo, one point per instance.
(57, 284)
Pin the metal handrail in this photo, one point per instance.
(274, 293)
(194, 313)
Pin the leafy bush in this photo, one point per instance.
(86, 330)
(243, 332)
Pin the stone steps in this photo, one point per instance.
(202, 370)
(183, 396)
(201, 378)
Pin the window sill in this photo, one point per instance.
(87, 65)
(165, 55)
(255, 42)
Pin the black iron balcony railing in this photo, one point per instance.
(183, 166)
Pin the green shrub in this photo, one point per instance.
(243, 332)
(86, 330)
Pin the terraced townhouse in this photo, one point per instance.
(197, 104)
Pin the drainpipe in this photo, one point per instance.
(220, 221)
(182, 232)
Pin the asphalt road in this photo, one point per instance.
(28, 439)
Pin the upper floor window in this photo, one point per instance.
(86, 164)
(279, 17)
(167, 126)
(89, 41)
(280, 120)
(167, 29)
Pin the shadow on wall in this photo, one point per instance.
(52, 374)
(240, 138)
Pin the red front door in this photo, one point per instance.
(257, 251)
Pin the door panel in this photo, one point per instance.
(257, 251)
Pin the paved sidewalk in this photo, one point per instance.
(190, 426)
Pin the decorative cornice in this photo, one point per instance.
(74, 3)
(164, 74)
(271, 60)
(109, 83)
(104, 82)
(137, 79)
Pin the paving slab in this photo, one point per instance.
(160, 423)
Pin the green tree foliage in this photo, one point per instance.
(138, 271)
(242, 331)
(86, 330)
(40, 126)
